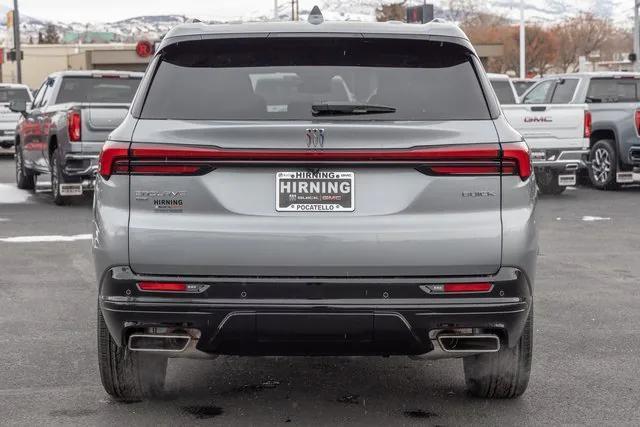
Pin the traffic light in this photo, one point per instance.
(420, 14)
(11, 55)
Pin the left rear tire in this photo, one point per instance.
(505, 374)
(126, 375)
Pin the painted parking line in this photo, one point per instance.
(45, 239)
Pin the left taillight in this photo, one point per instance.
(114, 159)
(74, 124)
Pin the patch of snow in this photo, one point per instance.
(10, 195)
(45, 239)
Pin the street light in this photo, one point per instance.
(522, 41)
(16, 40)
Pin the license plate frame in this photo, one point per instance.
(300, 199)
(567, 180)
(70, 189)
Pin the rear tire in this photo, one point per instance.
(548, 182)
(505, 374)
(128, 376)
(604, 165)
(57, 178)
(24, 179)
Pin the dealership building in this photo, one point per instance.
(40, 60)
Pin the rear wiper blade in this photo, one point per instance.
(349, 108)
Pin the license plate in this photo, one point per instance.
(566, 180)
(71, 189)
(624, 177)
(315, 192)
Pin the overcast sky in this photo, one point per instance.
(112, 10)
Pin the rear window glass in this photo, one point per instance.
(503, 91)
(563, 92)
(613, 90)
(7, 95)
(282, 78)
(97, 89)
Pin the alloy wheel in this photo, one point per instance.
(19, 167)
(601, 165)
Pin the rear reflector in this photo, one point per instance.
(165, 159)
(162, 287)
(453, 288)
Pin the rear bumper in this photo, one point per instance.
(81, 165)
(316, 316)
(561, 160)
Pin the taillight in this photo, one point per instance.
(638, 121)
(516, 159)
(74, 123)
(588, 122)
(164, 159)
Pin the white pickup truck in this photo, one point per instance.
(556, 131)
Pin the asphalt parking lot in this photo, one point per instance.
(586, 351)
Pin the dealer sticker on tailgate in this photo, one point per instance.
(315, 192)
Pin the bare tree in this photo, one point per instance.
(580, 36)
(392, 12)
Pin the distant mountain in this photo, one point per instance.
(155, 26)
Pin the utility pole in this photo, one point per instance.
(523, 63)
(16, 39)
(636, 35)
(275, 10)
(295, 10)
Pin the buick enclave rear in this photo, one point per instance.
(329, 189)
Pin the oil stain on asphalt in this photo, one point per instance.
(203, 412)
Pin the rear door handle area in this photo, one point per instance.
(539, 108)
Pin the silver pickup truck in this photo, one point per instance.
(556, 127)
(64, 130)
(613, 101)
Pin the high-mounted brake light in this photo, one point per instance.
(164, 159)
(74, 123)
(588, 123)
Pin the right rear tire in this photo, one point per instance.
(505, 374)
(126, 375)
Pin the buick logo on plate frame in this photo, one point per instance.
(315, 138)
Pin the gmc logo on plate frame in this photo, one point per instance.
(315, 138)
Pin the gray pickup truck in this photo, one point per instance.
(64, 130)
(613, 100)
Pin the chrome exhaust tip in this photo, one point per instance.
(170, 343)
(488, 343)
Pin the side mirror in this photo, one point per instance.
(18, 106)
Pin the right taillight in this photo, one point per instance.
(516, 159)
(637, 116)
(588, 122)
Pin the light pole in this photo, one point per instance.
(636, 34)
(16, 40)
(522, 42)
(275, 10)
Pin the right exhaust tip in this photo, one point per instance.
(469, 343)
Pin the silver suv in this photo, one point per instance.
(315, 189)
